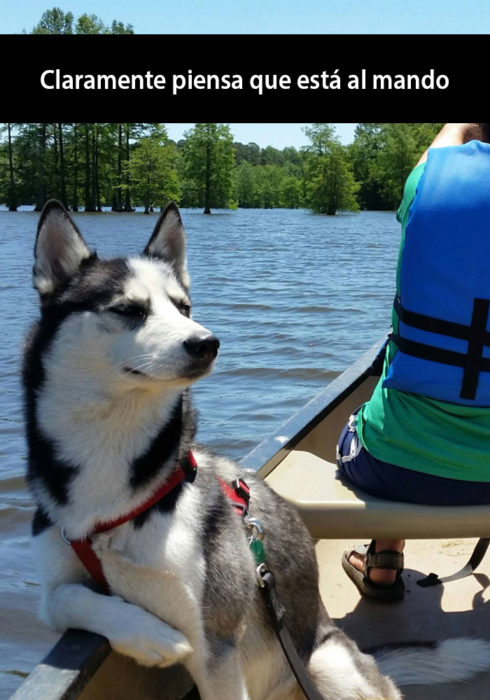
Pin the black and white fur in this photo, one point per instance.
(107, 371)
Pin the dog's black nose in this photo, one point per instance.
(202, 347)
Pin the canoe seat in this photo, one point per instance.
(333, 509)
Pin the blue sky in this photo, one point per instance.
(266, 16)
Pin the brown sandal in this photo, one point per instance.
(383, 560)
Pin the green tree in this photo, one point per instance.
(56, 21)
(153, 170)
(9, 184)
(34, 163)
(120, 28)
(395, 160)
(382, 156)
(126, 133)
(91, 153)
(89, 24)
(363, 154)
(60, 161)
(73, 148)
(249, 152)
(277, 183)
(269, 178)
(292, 158)
(271, 156)
(330, 183)
(291, 192)
(76, 163)
(245, 184)
(209, 158)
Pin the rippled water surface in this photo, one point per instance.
(294, 299)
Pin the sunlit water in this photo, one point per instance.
(294, 298)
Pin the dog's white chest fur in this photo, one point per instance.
(159, 566)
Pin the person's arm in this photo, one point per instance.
(453, 135)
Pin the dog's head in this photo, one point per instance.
(126, 320)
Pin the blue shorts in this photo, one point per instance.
(393, 483)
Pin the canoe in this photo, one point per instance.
(298, 461)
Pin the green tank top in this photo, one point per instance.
(416, 432)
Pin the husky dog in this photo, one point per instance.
(107, 374)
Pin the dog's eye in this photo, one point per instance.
(133, 312)
(185, 309)
(183, 306)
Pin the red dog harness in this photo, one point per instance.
(238, 493)
(83, 548)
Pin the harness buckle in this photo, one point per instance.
(256, 527)
(64, 537)
(242, 489)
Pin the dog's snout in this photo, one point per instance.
(202, 347)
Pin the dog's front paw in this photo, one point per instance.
(149, 640)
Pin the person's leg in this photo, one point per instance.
(353, 464)
(388, 481)
(383, 577)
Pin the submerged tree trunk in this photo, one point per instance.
(127, 203)
(62, 166)
(207, 183)
(11, 194)
(96, 170)
(75, 170)
(89, 202)
(42, 190)
(117, 202)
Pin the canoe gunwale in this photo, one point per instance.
(68, 667)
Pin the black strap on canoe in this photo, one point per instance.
(476, 334)
(474, 561)
(269, 594)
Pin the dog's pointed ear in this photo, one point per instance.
(168, 242)
(59, 250)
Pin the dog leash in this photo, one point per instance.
(186, 470)
(239, 494)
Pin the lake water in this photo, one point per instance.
(294, 298)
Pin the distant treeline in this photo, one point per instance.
(90, 166)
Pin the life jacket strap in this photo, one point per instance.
(476, 334)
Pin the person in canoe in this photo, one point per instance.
(424, 435)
